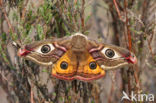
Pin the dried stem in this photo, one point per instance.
(149, 46)
(24, 10)
(8, 21)
(32, 95)
(117, 9)
(82, 16)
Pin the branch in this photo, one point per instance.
(117, 9)
(82, 16)
(7, 19)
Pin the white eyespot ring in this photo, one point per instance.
(44, 49)
(110, 53)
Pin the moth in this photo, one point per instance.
(77, 57)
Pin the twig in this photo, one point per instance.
(24, 10)
(5, 78)
(129, 80)
(82, 15)
(129, 44)
(117, 9)
(137, 79)
(1, 2)
(32, 95)
(8, 21)
(130, 48)
(127, 26)
(95, 93)
(149, 46)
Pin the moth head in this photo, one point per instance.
(112, 57)
(43, 52)
(78, 42)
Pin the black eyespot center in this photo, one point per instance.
(45, 49)
(92, 65)
(64, 65)
(110, 53)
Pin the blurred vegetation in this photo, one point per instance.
(131, 24)
(49, 19)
